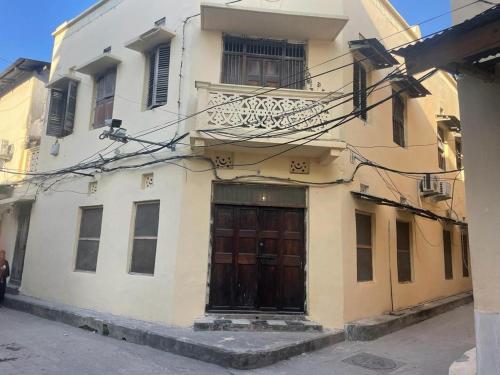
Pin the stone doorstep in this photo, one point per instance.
(220, 323)
(378, 326)
(238, 350)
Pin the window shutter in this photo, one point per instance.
(56, 113)
(362, 92)
(159, 67)
(356, 86)
(69, 116)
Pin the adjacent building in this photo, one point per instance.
(470, 50)
(23, 99)
(309, 174)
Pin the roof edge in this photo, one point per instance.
(65, 25)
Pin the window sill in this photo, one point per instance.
(141, 274)
(85, 272)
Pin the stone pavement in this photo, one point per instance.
(30, 345)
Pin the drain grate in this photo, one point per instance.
(373, 362)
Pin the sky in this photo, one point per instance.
(26, 26)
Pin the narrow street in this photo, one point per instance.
(30, 345)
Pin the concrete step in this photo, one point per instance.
(223, 323)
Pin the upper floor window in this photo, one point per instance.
(62, 108)
(458, 152)
(441, 137)
(263, 62)
(398, 119)
(359, 90)
(104, 98)
(159, 66)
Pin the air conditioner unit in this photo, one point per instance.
(429, 186)
(6, 150)
(445, 191)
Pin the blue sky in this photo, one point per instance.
(26, 26)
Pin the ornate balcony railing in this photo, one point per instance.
(240, 107)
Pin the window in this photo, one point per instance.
(88, 240)
(441, 152)
(262, 62)
(359, 90)
(61, 118)
(403, 251)
(364, 247)
(458, 152)
(465, 255)
(159, 65)
(398, 119)
(448, 255)
(105, 97)
(145, 237)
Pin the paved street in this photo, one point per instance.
(30, 345)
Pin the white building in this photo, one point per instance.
(252, 210)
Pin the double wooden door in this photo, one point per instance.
(258, 258)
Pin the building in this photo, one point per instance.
(23, 99)
(471, 51)
(255, 199)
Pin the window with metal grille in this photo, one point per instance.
(448, 255)
(465, 255)
(398, 119)
(458, 152)
(364, 255)
(359, 90)
(62, 108)
(441, 150)
(159, 66)
(403, 239)
(105, 97)
(89, 238)
(145, 237)
(263, 62)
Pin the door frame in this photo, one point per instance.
(211, 253)
(20, 208)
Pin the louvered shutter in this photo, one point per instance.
(356, 87)
(69, 116)
(159, 67)
(362, 93)
(56, 113)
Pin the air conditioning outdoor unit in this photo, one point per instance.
(6, 150)
(444, 189)
(429, 186)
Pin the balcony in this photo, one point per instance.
(283, 120)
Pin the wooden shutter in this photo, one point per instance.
(69, 115)
(448, 255)
(159, 67)
(105, 97)
(56, 113)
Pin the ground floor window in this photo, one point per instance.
(145, 237)
(89, 238)
(364, 256)
(448, 255)
(403, 231)
(465, 255)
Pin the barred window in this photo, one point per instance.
(263, 62)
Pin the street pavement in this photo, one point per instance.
(30, 345)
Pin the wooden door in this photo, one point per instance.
(257, 259)
(23, 223)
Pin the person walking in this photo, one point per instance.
(4, 274)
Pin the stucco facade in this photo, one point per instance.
(179, 290)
